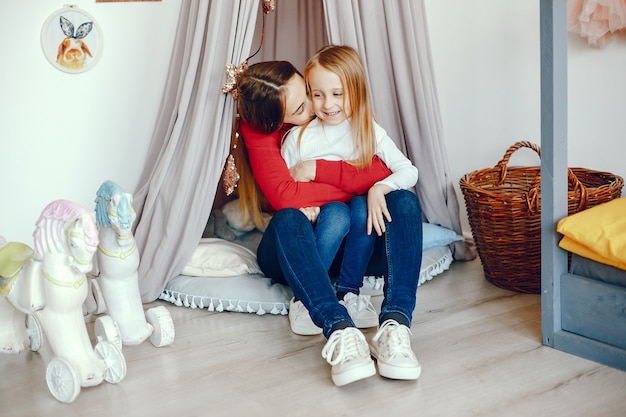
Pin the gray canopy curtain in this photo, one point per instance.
(293, 32)
(392, 37)
(192, 136)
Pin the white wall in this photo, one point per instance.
(486, 55)
(62, 135)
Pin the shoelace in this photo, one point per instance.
(398, 339)
(347, 341)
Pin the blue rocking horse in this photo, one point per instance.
(117, 260)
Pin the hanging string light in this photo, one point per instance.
(230, 176)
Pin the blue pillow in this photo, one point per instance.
(435, 235)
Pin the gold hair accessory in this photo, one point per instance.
(233, 73)
(230, 176)
(269, 6)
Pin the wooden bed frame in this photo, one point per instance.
(572, 306)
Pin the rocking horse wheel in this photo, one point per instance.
(161, 321)
(62, 379)
(106, 329)
(34, 333)
(114, 360)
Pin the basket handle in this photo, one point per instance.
(532, 198)
(573, 183)
(504, 162)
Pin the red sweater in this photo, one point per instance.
(334, 180)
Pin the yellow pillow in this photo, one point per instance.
(575, 247)
(598, 233)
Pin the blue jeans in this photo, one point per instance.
(332, 225)
(358, 248)
(288, 254)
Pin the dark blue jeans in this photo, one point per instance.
(357, 249)
(288, 254)
(332, 225)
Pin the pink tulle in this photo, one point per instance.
(596, 20)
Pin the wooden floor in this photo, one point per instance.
(479, 346)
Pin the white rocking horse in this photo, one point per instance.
(51, 286)
(18, 330)
(117, 260)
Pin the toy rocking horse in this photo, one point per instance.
(116, 275)
(18, 330)
(51, 286)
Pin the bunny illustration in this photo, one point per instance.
(72, 50)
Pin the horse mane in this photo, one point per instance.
(49, 234)
(104, 194)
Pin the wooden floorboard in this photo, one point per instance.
(479, 346)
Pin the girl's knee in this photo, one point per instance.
(286, 214)
(336, 208)
(337, 214)
(404, 201)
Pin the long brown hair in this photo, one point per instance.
(346, 62)
(261, 104)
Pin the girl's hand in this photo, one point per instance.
(304, 171)
(311, 213)
(377, 210)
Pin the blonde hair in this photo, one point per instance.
(261, 104)
(346, 63)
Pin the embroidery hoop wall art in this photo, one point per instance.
(71, 40)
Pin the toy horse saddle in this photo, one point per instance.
(13, 256)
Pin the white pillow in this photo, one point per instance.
(221, 258)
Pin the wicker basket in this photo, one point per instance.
(503, 207)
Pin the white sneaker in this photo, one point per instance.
(391, 347)
(300, 320)
(361, 310)
(372, 286)
(347, 352)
